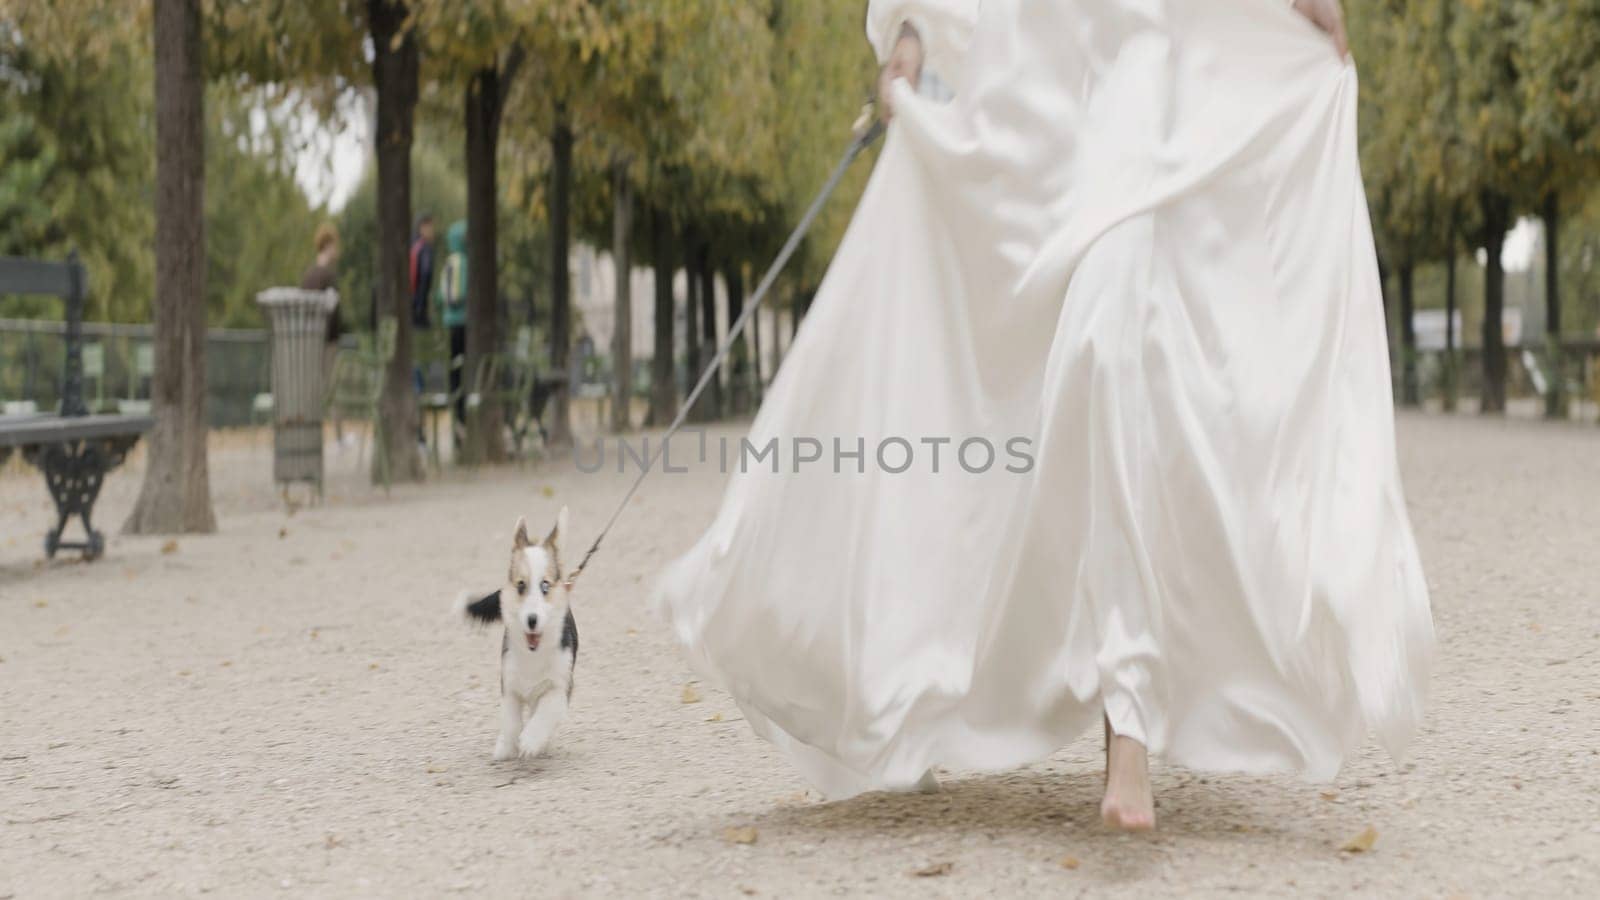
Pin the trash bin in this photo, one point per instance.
(299, 327)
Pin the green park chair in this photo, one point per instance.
(436, 399)
(507, 380)
(522, 414)
(357, 391)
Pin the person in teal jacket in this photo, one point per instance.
(451, 295)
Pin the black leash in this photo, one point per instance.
(861, 140)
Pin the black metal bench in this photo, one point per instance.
(73, 449)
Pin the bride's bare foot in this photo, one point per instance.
(1128, 804)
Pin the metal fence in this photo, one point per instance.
(117, 373)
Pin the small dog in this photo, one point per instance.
(535, 672)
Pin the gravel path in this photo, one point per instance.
(287, 709)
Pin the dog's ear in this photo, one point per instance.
(520, 541)
(554, 537)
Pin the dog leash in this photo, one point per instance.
(867, 130)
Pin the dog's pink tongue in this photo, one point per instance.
(533, 642)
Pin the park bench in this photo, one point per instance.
(73, 448)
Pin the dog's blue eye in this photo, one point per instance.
(544, 587)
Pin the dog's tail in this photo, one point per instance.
(480, 611)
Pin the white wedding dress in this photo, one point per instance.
(1136, 238)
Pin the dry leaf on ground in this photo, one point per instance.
(745, 834)
(1070, 862)
(935, 870)
(169, 547)
(1362, 842)
(690, 695)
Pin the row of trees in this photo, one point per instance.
(77, 173)
(686, 134)
(680, 133)
(1474, 113)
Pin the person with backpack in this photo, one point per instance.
(451, 294)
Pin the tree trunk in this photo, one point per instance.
(739, 354)
(622, 330)
(663, 368)
(485, 101)
(1409, 392)
(1496, 220)
(176, 495)
(802, 305)
(691, 312)
(756, 386)
(561, 275)
(709, 407)
(1449, 367)
(394, 75)
(779, 348)
(1556, 400)
(1388, 328)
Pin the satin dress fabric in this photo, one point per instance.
(1137, 240)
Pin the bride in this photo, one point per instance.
(1132, 255)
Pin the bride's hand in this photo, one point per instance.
(904, 62)
(1326, 15)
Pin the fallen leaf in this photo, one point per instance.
(690, 695)
(183, 673)
(435, 770)
(332, 841)
(170, 547)
(1330, 795)
(225, 663)
(744, 834)
(548, 491)
(1362, 842)
(372, 665)
(1070, 862)
(40, 604)
(714, 717)
(283, 533)
(935, 870)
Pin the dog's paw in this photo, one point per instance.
(504, 749)
(530, 747)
